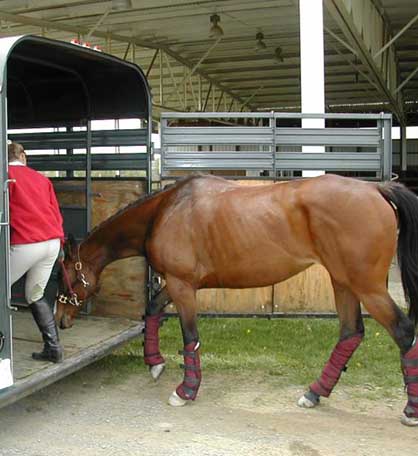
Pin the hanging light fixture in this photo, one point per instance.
(216, 30)
(121, 5)
(278, 54)
(260, 45)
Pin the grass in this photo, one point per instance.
(289, 351)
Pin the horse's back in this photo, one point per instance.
(219, 233)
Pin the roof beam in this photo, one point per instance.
(413, 73)
(366, 30)
(62, 26)
(403, 30)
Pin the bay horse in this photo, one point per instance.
(208, 232)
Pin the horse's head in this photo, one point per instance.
(78, 283)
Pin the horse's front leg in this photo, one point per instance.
(153, 318)
(184, 297)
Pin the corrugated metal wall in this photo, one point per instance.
(412, 149)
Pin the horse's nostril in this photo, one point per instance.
(65, 322)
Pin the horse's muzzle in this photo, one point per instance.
(66, 322)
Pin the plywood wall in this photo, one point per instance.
(308, 291)
(123, 283)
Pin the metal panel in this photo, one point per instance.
(331, 161)
(269, 148)
(328, 137)
(77, 139)
(217, 135)
(98, 162)
(209, 163)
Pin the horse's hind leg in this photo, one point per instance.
(184, 298)
(384, 310)
(351, 335)
(153, 317)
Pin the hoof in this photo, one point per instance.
(157, 370)
(306, 401)
(409, 421)
(175, 400)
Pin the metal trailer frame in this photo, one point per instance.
(271, 139)
(47, 83)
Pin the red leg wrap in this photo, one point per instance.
(410, 371)
(152, 354)
(192, 374)
(336, 364)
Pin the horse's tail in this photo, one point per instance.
(406, 204)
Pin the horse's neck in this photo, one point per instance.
(121, 236)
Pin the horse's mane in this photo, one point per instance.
(144, 198)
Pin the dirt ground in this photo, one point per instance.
(88, 414)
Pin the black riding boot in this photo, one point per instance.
(45, 320)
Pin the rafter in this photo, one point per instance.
(111, 36)
(366, 30)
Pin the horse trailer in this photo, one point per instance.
(51, 93)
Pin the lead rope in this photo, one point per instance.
(66, 277)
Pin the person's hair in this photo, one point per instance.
(15, 150)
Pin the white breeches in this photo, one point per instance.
(37, 260)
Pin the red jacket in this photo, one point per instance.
(34, 212)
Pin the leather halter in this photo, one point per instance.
(73, 298)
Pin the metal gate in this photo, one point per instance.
(269, 145)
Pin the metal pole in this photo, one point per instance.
(69, 172)
(192, 71)
(272, 121)
(251, 97)
(161, 78)
(387, 149)
(199, 78)
(126, 51)
(207, 97)
(194, 99)
(88, 178)
(312, 67)
(220, 101)
(98, 23)
(412, 21)
(404, 150)
(173, 80)
(185, 88)
(213, 98)
(152, 62)
(341, 41)
(406, 80)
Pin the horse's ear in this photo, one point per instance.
(70, 247)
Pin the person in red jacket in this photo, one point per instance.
(36, 236)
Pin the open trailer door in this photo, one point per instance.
(47, 84)
(6, 377)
